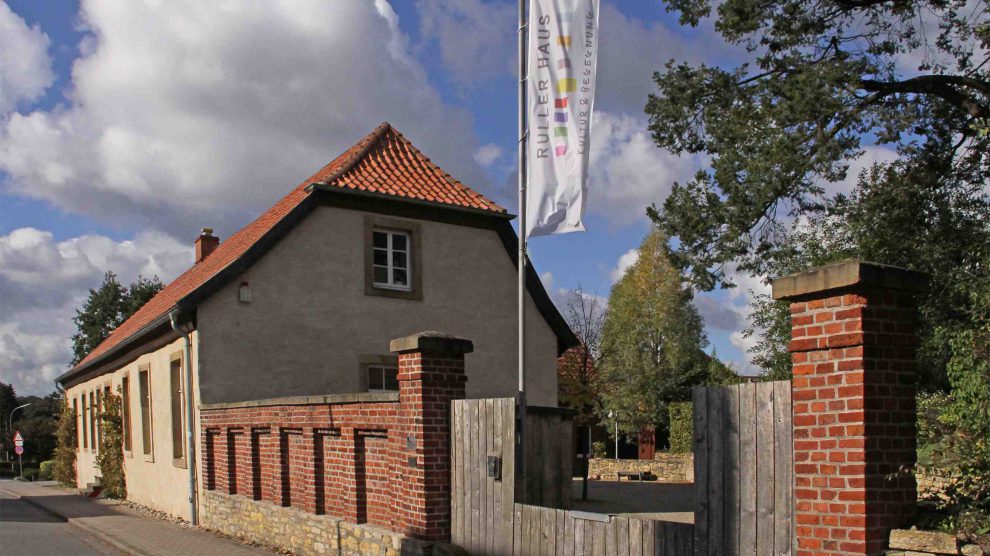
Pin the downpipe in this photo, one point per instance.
(190, 414)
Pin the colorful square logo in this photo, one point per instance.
(566, 85)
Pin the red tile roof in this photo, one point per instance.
(383, 162)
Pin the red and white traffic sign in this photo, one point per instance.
(18, 439)
(18, 450)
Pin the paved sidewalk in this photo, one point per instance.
(124, 528)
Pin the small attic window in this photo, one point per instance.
(393, 258)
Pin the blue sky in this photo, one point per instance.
(124, 127)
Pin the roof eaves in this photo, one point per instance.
(116, 350)
(325, 187)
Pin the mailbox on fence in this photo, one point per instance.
(495, 467)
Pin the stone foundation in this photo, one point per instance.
(299, 532)
(671, 468)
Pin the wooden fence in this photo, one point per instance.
(482, 506)
(743, 472)
(548, 532)
(485, 519)
(549, 453)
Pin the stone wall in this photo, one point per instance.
(672, 468)
(299, 532)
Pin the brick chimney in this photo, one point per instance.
(206, 243)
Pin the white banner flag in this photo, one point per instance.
(562, 63)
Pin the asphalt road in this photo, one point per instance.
(28, 530)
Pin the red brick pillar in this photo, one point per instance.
(431, 374)
(853, 346)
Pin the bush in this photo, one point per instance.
(64, 464)
(110, 460)
(45, 471)
(681, 427)
(31, 474)
(598, 449)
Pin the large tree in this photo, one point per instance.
(576, 368)
(106, 308)
(822, 81)
(654, 337)
(902, 214)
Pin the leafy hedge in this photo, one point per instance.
(681, 427)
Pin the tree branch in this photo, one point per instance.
(942, 86)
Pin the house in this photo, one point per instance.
(378, 244)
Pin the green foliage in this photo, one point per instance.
(36, 422)
(681, 427)
(654, 336)
(954, 428)
(948, 237)
(45, 470)
(598, 449)
(110, 458)
(64, 464)
(819, 83)
(106, 308)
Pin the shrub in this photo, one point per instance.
(64, 465)
(598, 449)
(45, 470)
(110, 460)
(30, 474)
(681, 427)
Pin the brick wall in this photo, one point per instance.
(376, 458)
(853, 352)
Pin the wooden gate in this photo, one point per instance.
(486, 518)
(743, 472)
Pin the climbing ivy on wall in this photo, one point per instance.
(64, 468)
(110, 459)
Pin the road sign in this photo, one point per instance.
(18, 439)
(18, 450)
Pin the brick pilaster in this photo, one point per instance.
(853, 346)
(431, 374)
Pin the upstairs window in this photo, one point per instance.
(391, 259)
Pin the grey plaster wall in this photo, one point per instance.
(310, 321)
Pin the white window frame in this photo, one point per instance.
(390, 251)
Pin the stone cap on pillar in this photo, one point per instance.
(846, 274)
(432, 342)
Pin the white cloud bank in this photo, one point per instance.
(25, 67)
(187, 113)
(43, 281)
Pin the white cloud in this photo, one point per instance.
(43, 281)
(487, 154)
(25, 68)
(547, 279)
(628, 172)
(871, 154)
(625, 261)
(476, 39)
(203, 113)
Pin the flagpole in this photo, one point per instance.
(522, 193)
(521, 394)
